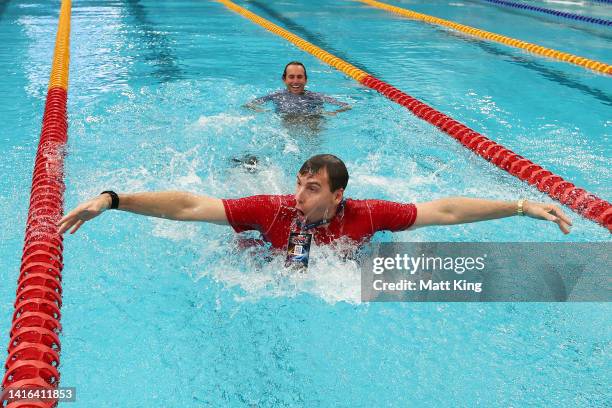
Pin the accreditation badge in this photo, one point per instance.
(298, 249)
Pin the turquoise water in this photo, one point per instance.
(163, 313)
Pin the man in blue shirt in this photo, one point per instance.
(295, 99)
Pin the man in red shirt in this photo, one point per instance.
(318, 208)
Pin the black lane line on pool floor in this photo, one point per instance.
(553, 75)
(3, 4)
(158, 45)
(303, 32)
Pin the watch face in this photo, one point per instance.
(298, 249)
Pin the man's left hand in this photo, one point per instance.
(548, 212)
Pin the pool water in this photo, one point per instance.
(160, 313)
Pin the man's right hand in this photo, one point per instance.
(84, 212)
(171, 205)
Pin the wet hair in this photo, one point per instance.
(294, 63)
(336, 170)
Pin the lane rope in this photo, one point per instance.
(34, 346)
(557, 13)
(502, 39)
(578, 199)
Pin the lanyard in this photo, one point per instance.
(306, 227)
(312, 225)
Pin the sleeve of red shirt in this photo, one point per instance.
(251, 213)
(391, 216)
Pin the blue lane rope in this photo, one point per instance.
(587, 19)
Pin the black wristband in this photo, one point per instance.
(114, 199)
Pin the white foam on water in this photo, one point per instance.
(220, 122)
(130, 179)
(173, 230)
(328, 277)
(182, 168)
(272, 134)
(269, 178)
(411, 179)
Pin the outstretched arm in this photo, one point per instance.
(460, 210)
(173, 205)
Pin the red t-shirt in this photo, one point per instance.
(274, 216)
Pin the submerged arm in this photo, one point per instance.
(333, 101)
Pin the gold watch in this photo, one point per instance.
(519, 207)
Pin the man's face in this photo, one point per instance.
(295, 79)
(313, 197)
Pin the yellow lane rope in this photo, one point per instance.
(533, 48)
(61, 56)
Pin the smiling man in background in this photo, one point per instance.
(296, 100)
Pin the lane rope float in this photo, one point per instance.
(502, 39)
(579, 200)
(34, 344)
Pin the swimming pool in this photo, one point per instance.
(162, 313)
